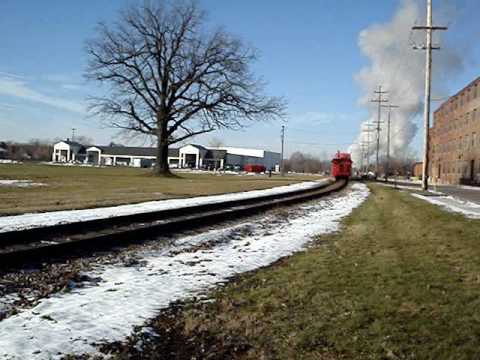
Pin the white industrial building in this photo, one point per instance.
(188, 156)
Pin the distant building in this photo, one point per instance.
(188, 156)
(124, 155)
(68, 151)
(3, 151)
(454, 138)
(417, 170)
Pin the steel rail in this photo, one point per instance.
(21, 247)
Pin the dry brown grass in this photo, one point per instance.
(83, 187)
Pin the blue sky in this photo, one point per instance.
(309, 54)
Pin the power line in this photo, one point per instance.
(310, 132)
(319, 143)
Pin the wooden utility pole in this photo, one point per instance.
(368, 130)
(387, 167)
(379, 101)
(428, 84)
(364, 147)
(361, 159)
(282, 170)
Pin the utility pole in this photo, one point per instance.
(387, 167)
(73, 134)
(379, 101)
(428, 84)
(361, 158)
(368, 130)
(282, 170)
(363, 146)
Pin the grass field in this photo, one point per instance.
(84, 187)
(401, 281)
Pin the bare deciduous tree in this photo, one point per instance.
(305, 163)
(169, 78)
(216, 142)
(84, 140)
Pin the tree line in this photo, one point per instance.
(300, 162)
(35, 149)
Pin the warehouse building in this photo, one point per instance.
(124, 155)
(188, 156)
(454, 138)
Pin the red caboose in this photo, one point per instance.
(342, 166)
(254, 168)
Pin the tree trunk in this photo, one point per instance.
(162, 168)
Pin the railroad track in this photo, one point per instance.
(24, 246)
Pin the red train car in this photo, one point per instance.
(254, 168)
(342, 166)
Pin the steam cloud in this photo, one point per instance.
(400, 71)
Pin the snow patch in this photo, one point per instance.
(79, 164)
(407, 187)
(20, 183)
(469, 187)
(73, 323)
(8, 161)
(33, 220)
(469, 209)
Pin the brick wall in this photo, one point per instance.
(455, 138)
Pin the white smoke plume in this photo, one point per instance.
(400, 70)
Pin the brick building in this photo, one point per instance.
(417, 169)
(455, 138)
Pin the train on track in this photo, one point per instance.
(342, 166)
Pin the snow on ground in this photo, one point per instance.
(72, 323)
(8, 161)
(219, 172)
(407, 187)
(404, 187)
(469, 187)
(32, 220)
(450, 203)
(71, 164)
(413, 181)
(20, 183)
